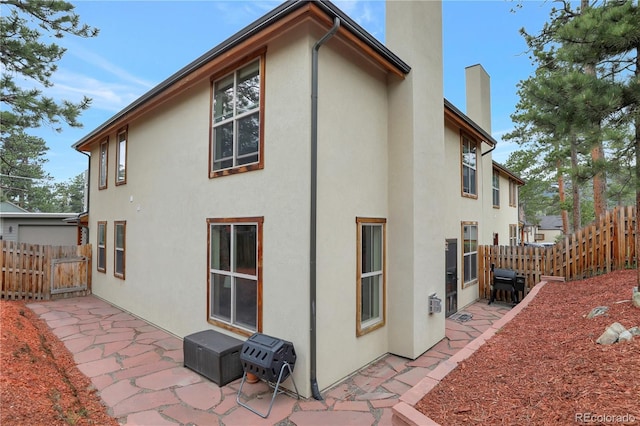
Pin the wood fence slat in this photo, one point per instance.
(25, 270)
(603, 246)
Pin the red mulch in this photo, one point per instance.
(545, 368)
(40, 383)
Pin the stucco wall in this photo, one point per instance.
(168, 197)
(352, 182)
(416, 155)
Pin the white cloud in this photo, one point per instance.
(102, 63)
(108, 96)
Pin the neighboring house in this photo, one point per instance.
(19, 225)
(203, 205)
(549, 228)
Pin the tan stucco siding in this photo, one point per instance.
(415, 155)
(352, 182)
(169, 195)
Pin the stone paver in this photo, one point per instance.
(138, 372)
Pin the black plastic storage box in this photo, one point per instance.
(213, 355)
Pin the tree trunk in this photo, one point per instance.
(597, 153)
(561, 194)
(637, 144)
(575, 186)
(599, 181)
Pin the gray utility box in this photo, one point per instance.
(213, 355)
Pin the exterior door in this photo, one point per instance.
(451, 280)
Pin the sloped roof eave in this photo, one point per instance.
(257, 26)
(463, 118)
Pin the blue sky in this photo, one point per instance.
(141, 43)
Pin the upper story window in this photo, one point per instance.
(103, 166)
(236, 144)
(121, 157)
(235, 274)
(496, 189)
(469, 167)
(513, 193)
(370, 286)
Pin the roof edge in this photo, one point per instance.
(258, 25)
(489, 139)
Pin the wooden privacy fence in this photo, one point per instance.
(32, 271)
(606, 245)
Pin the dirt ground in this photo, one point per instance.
(545, 368)
(39, 381)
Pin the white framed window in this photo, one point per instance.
(121, 154)
(513, 235)
(236, 144)
(371, 273)
(235, 274)
(103, 166)
(120, 247)
(470, 252)
(496, 189)
(469, 167)
(513, 193)
(102, 247)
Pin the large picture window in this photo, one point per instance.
(119, 255)
(470, 253)
(121, 160)
(370, 285)
(469, 167)
(235, 274)
(236, 134)
(102, 247)
(103, 166)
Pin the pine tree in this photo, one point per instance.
(26, 57)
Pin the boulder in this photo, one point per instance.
(625, 336)
(611, 334)
(597, 311)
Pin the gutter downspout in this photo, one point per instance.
(314, 196)
(88, 187)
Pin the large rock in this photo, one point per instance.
(611, 334)
(625, 336)
(597, 311)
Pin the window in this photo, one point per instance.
(513, 193)
(370, 286)
(104, 155)
(469, 161)
(513, 235)
(234, 290)
(102, 246)
(121, 154)
(496, 189)
(236, 144)
(119, 248)
(470, 247)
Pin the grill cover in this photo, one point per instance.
(504, 279)
(264, 356)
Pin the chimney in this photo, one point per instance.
(479, 96)
(416, 166)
